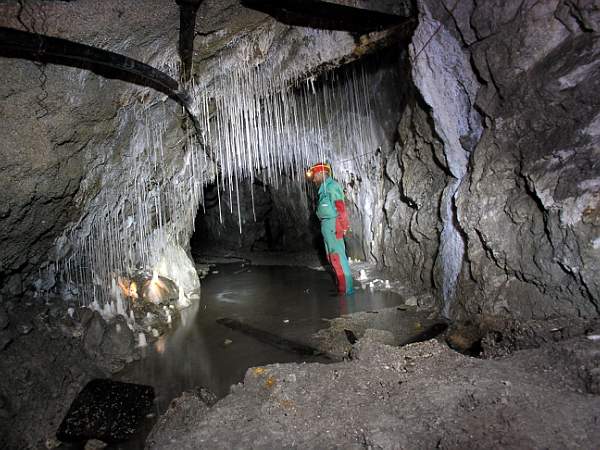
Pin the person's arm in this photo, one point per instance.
(342, 224)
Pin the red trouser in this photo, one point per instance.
(336, 254)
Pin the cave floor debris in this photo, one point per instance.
(291, 303)
(423, 395)
(106, 410)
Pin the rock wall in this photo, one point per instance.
(68, 149)
(107, 180)
(523, 198)
(533, 195)
(412, 204)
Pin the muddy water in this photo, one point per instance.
(290, 302)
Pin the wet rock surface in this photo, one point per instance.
(420, 396)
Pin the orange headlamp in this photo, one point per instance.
(319, 167)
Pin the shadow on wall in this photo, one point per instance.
(261, 218)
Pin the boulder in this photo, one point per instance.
(118, 341)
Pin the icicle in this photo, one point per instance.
(256, 124)
(182, 301)
(142, 340)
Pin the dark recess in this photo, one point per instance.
(107, 410)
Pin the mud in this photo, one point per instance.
(43, 366)
(423, 395)
(283, 306)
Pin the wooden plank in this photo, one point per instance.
(326, 15)
(272, 339)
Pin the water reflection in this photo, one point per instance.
(290, 302)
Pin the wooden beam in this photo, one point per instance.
(188, 10)
(326, 15)
(270, 338)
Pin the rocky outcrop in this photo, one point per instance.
(419, 396)
(503, 130)
(529, 205)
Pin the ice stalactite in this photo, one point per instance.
(255, 124)
(139, 220)
(259, 123)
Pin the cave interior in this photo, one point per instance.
(164, 281)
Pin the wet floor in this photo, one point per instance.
(289, 302)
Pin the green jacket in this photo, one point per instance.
(329, 192)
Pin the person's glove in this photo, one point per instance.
(341, 222)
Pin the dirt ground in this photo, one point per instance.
(538, 388)
(43, 366)
(46, 357)
(423, 395)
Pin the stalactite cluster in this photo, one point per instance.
(255, 124)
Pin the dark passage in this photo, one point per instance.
(273, 219)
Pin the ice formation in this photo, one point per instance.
(260, 123)
(142, 340)
(255, 123)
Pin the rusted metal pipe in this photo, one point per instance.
(46, 49)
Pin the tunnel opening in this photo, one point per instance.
(274, 220)
(268, 285)
(345, 116)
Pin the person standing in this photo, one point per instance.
(331, 211)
